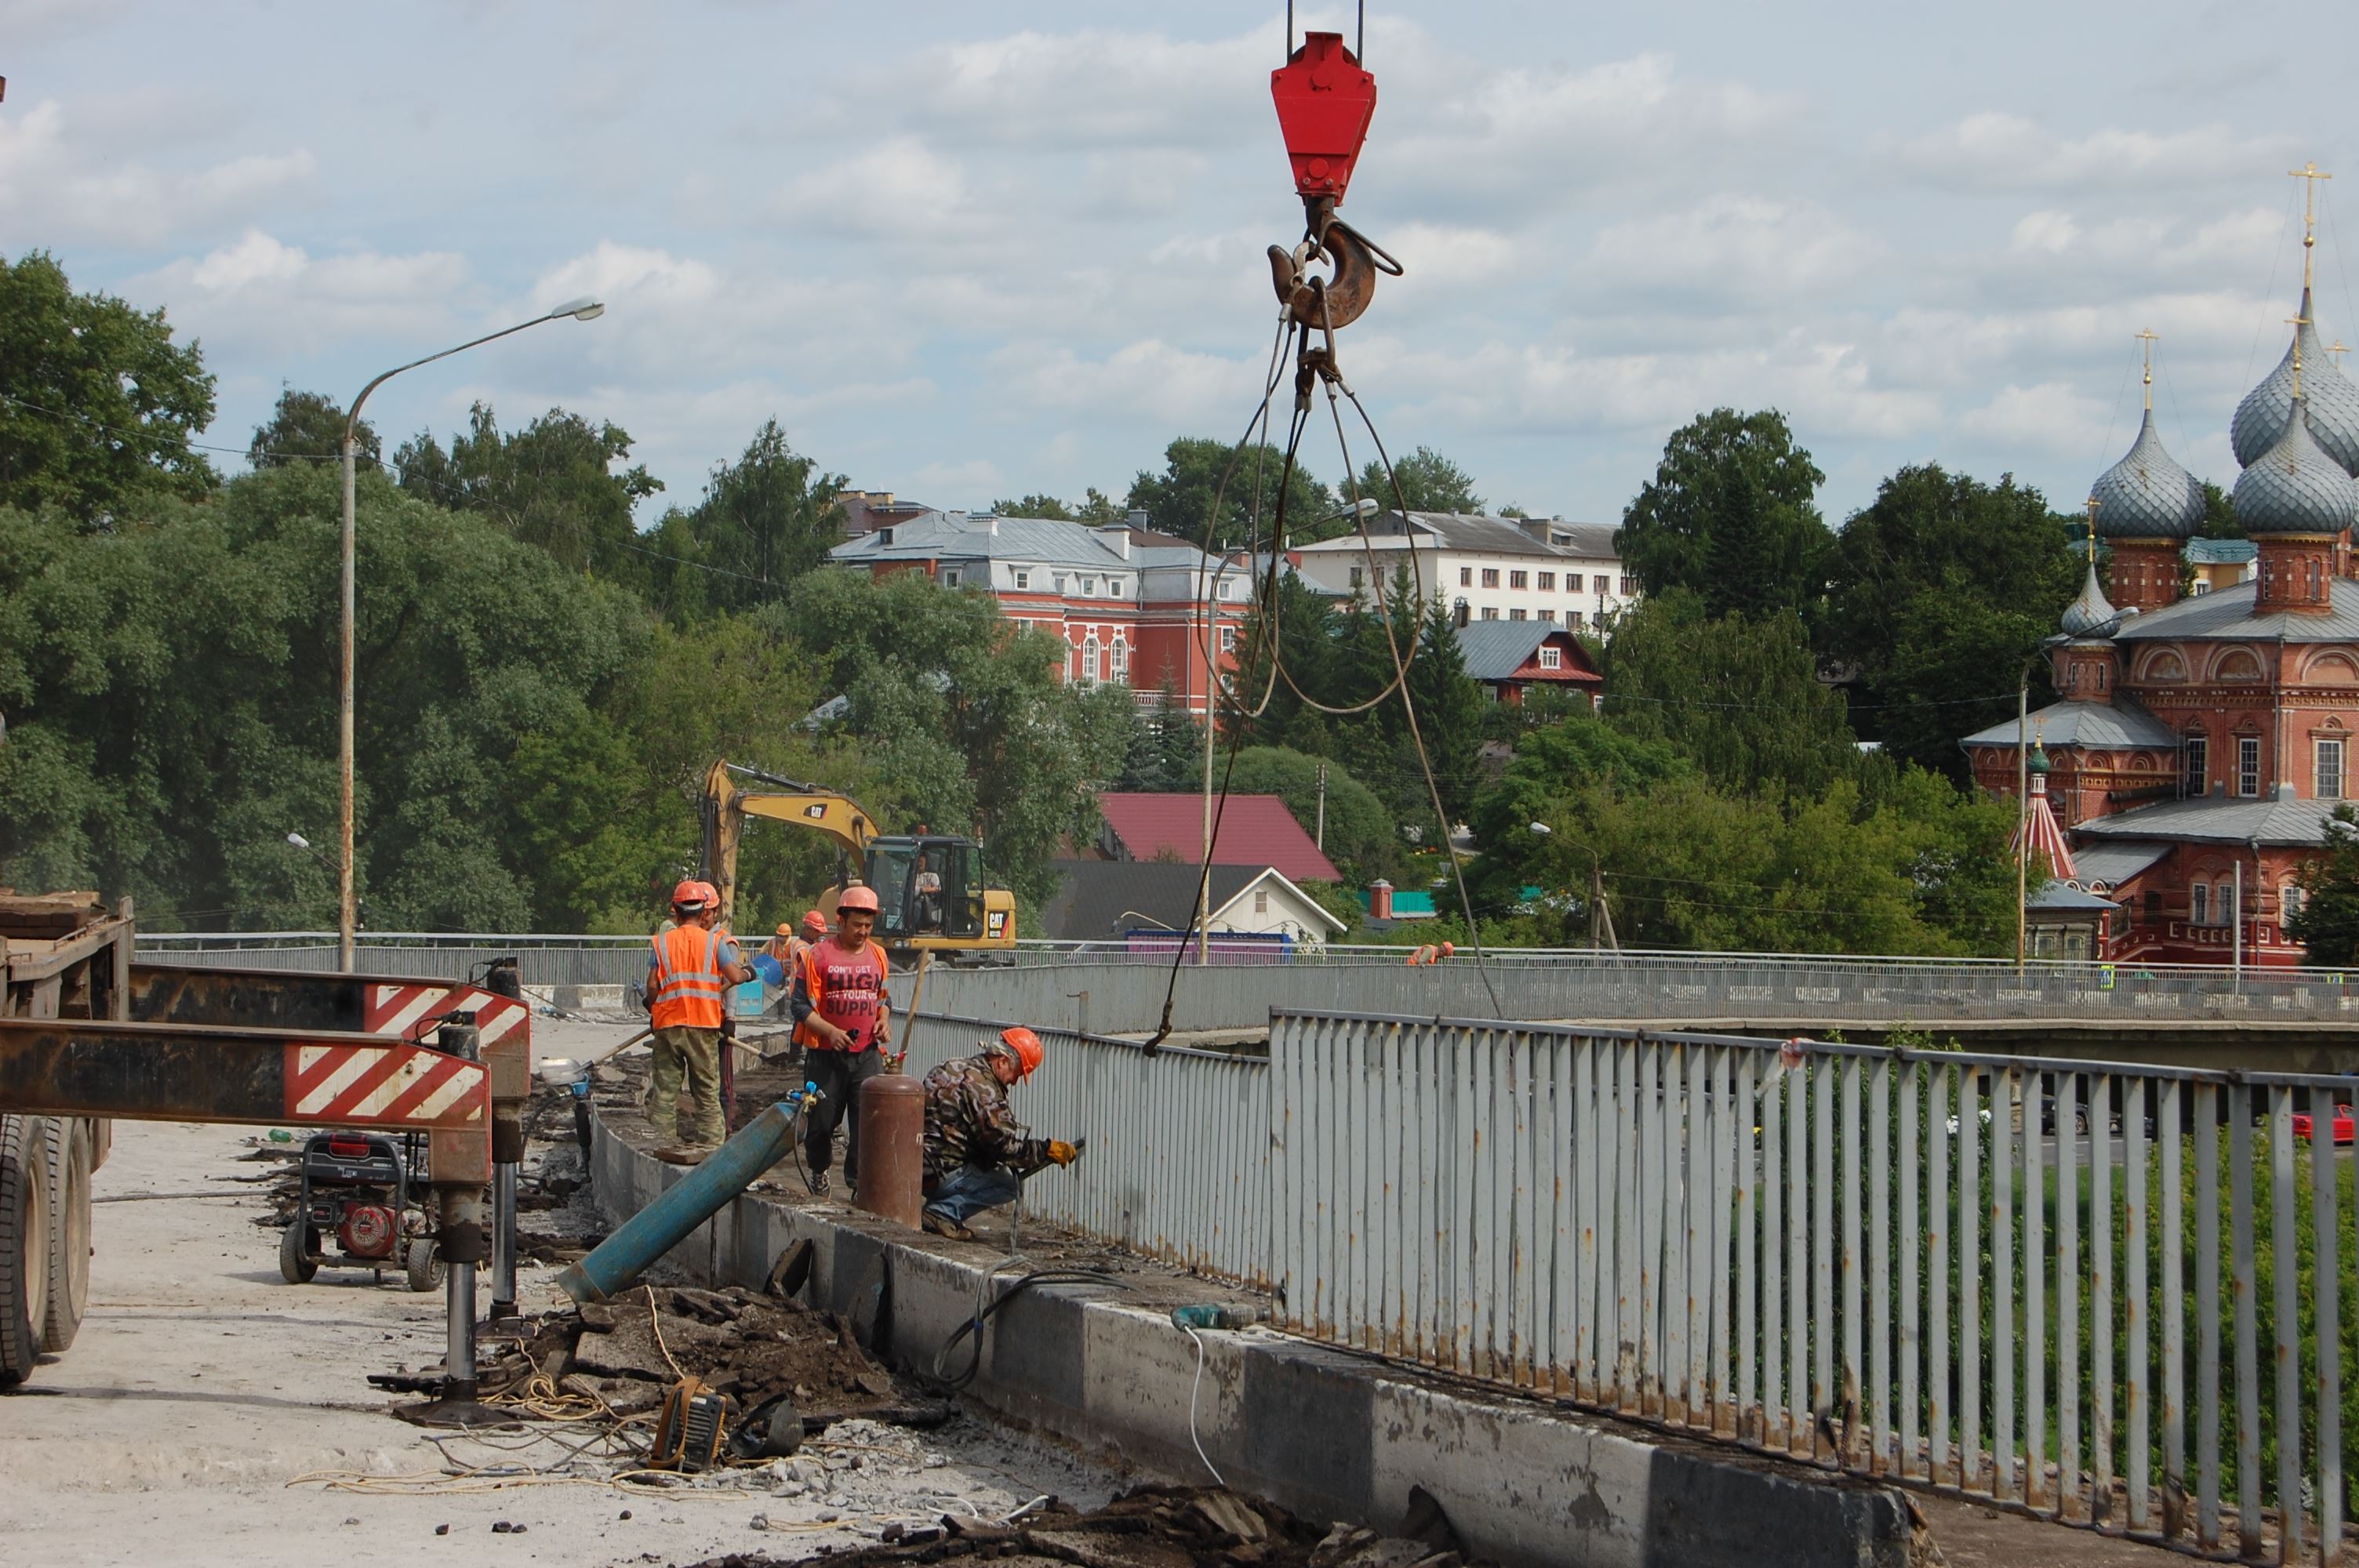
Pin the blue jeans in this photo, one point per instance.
(969, 1190)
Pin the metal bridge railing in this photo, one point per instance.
(2112, 1296)
(1178, 1165)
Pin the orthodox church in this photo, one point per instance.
(2199, 742)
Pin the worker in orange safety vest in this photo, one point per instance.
(690, 967)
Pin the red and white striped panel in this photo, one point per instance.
(399, 1008)
(398, 1086)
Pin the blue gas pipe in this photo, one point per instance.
(616, 1263)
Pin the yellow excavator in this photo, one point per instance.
(930, 890)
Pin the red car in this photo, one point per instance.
(2344, 1126)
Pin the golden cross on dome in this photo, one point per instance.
(2149, 338)
(2092, 504)
(2310, 172)
(2298, 323)
(2338, 349)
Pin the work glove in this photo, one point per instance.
(1061, 1152)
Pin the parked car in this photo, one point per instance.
(2344, 1127)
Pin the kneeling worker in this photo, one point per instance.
(977, 1154)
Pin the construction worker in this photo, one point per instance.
(787, 950)
(690, 967)
(841, 1012)
(977, 1153)
(1430, 954)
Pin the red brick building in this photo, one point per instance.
(2201, 741)
(1133, 606)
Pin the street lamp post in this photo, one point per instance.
(347, 895)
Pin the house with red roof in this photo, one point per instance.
(1255, 830)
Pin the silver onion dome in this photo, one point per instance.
(2333, 402)
(2147, 495)
(2296, 487)
(2090, 615)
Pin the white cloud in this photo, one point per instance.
(1734, 247)
(2052, 419)
(1996, 151)
(2045, 231)
(66, 191)
(264, 294)
(1148, 380)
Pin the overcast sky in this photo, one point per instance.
(969, 251)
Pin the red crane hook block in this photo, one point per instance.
(1324, 104)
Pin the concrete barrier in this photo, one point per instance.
(1329, 1435)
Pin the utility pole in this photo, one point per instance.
(1322, 808)
(2022, 800)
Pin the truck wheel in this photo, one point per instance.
(69, 1291)
(24, 1243)
(297, 1263)
(421, 1268)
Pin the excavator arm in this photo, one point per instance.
(814, 806)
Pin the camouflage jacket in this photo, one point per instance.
(967, 1121)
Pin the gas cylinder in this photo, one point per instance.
(893, 1148)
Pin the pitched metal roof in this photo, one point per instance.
(2091, 724)
(2225, 615)
(1471, 534)
(2221, 552)
(2062, 895)
(2115, 861)
(1495, 650)
(2220, 820)
(957, 535)
(1099, 900)
(1255, 830)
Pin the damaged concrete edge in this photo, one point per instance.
(1326, 1433)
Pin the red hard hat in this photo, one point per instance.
(858, 896)
(690, 894)
(813, 921)
(1023, 1046)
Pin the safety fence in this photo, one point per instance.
(2116, 1296)
(1178, 1159)
(1066, 985)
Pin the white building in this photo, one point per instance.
(1485, 569)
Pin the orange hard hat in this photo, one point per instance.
(1447, 949)
(711, 894)
(1023, 1046)
(858, 896)
(813, 921)
(690, 894)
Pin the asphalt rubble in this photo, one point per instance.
(1148, 1527)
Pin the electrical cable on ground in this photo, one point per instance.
(1192, 1390)
(973, 1328)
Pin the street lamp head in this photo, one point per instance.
(299, 840)
(1542, 829)
(585, 309)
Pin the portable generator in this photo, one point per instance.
(357, 1186)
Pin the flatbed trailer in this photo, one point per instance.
(87, 1035)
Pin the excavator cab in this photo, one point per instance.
(930, 892)
(927, 886)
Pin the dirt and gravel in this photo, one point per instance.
(1150, 1526)
(210, 1414)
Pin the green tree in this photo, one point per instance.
(97, 404)
(2327, 923)
(1732, 517)
(762, 521)
(1197, 471)
(1938, 592)
(1430, 483)
(1362, 838)
(2219, 516)
(1739, 694)
(551, 485)
(1166, 751)
(1046, 506)
(308, 427)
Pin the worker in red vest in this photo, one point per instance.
(690, 967)
(840, 1005)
